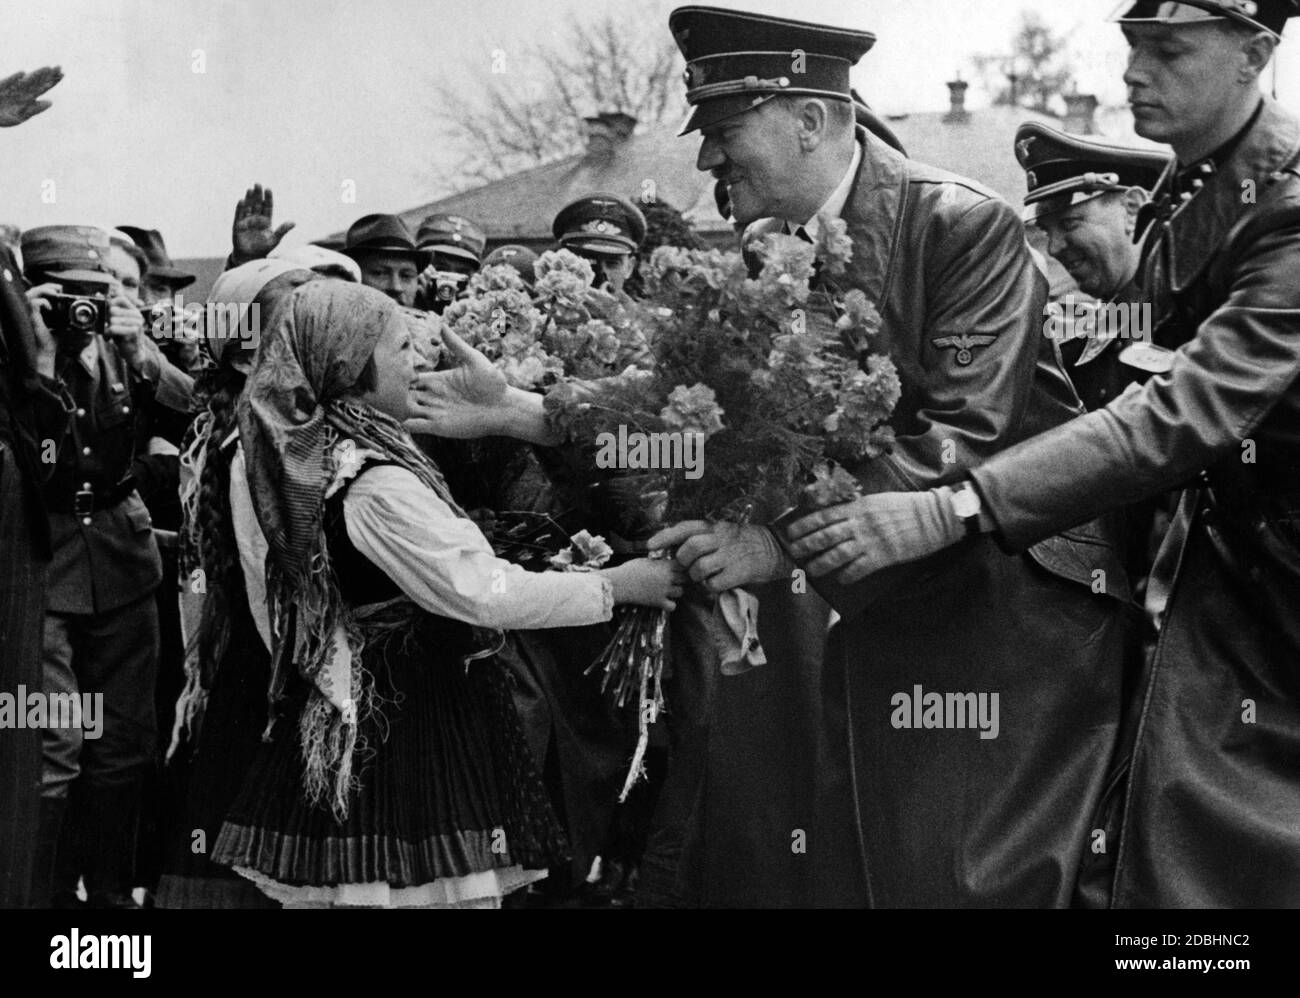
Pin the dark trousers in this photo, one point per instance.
(100, 773)
(22, 608)
(114, 654)
(736, 823)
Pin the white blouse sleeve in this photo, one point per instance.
(444, 563)
(252, 545)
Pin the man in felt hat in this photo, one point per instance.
(455, 247)
(888, 816)
(1213, 796)
(101, 626)
(1085, 196)
(389, 260)
(606, 230)
(163, 278)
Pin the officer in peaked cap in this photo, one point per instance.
(605, 229)
(945, 262)
(387, 255)
(455, 247)
(1085, 196)
(1261, 15)
(736, 61)
(1064, 170)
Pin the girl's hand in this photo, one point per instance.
(653, 582)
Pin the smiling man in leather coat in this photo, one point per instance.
(928, 816)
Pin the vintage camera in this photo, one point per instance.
(80, 310)
(440, 288)
(447, 285)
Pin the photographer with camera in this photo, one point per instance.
(101, 622)
(455, 247)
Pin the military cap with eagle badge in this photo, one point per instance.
(600, 223)
(453, 235)
(1265, 15)
(1063, 170)
(737, 61)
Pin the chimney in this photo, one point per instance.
(1081, 114)
(606, 132)
(957, 113)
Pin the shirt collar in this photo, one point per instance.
(834, 205)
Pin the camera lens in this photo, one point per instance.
(82, 315)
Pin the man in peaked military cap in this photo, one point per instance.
(1213, 799)
(891, 817)
(101, 622)
(455, 246)
(1085, 196)
(607, 231)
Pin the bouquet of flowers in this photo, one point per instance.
(562, 327)
(757, 393)
(775, 383)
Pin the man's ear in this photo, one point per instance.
(814, 122)
(1134, 199)
(1257, 51)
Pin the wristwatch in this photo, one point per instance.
(966, 504)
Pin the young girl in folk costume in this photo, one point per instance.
(395, 772)
(222, 712)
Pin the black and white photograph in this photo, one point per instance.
(598, 456)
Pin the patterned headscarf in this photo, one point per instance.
(237, 288)
(297, 405)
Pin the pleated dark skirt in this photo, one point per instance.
(447, 785)
(214, 771)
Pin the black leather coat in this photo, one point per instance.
(1213, 810)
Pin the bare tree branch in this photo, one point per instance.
(505, 122)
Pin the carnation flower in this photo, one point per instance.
(787, 269)
(860, 312)
(833, 247)
(563, 277)
(831, 486)
(585, 553)
(498, 277)
(693, 410)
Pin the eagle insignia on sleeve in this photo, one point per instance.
(965, 345)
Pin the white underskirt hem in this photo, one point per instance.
(477, 890)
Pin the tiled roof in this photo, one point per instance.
(519, 208)
(981, 148)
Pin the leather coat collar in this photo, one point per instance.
(874, 216)
(1196, 230)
